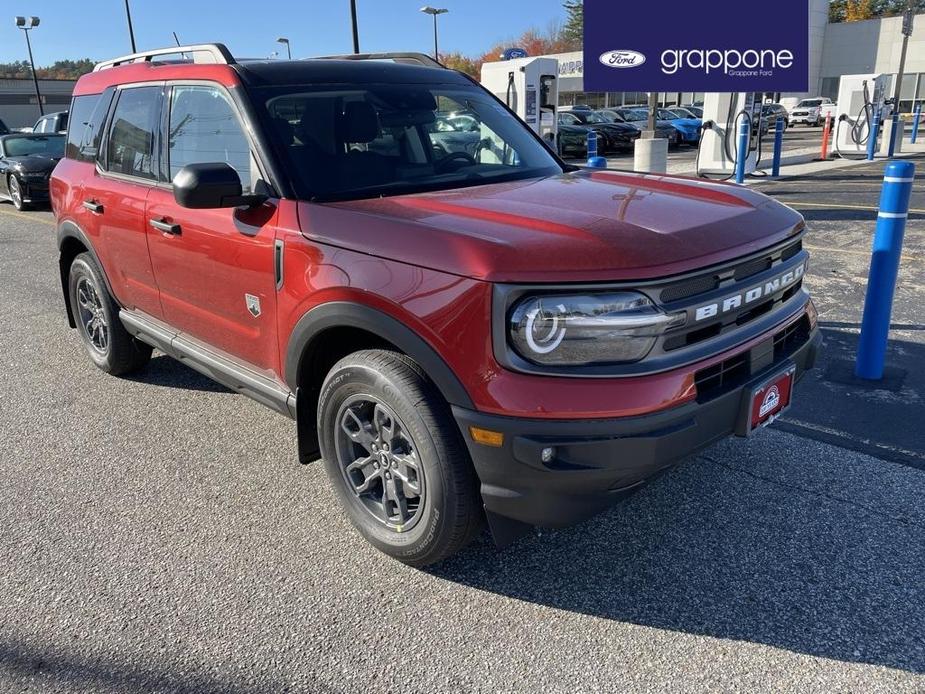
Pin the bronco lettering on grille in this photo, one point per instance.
(750, 296)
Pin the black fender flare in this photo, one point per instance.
(348, 314)
(70, 230)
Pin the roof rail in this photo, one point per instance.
(200, 53)
(419, 58)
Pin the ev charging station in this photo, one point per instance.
(723, 115)
(530, 88)
(859, 98)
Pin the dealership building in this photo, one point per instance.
(846, 48)
(19, 105)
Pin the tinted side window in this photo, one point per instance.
(82, 108)
(130, 150)
(204, 129)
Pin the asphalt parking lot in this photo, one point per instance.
(158, 534)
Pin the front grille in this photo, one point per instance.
(686, 289)
(734, 372)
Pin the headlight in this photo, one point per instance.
(576, 330)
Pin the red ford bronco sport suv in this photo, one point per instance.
(464, 328)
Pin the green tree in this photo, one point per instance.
(573, 31)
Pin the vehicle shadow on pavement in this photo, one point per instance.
(30, 668)
(778, 540)
(168, 372)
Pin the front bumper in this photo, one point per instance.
(34, 191)
(597, 462)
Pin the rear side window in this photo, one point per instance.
(83, 138)
(204, 129)
(130, 148)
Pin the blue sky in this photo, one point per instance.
(97, 29)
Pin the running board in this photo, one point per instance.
(217, 367)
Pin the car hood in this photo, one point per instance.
(580, 226)
(34, 163)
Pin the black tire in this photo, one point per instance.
(384, 385)
(96, 313)
(15, 188)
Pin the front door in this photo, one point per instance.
(214, 268)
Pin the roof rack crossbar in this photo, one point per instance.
(420, 58)
(215, 53)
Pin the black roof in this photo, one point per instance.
(328, 71)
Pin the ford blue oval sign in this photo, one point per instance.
(622, 59)
(514, 53)
(627, 49)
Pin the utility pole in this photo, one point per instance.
(131, 32)
(908, 17)
(650, 121)
(356, 31)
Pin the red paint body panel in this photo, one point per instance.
(575, 227)
(96, 82)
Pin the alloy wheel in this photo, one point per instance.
(380, 462)
(15, 192)
(92, 316)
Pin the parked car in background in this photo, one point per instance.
(573, 140)
(687, 125)
(26, 163)
(696, 110)
(611, 136)
(812, 112)
(455, 133)
(639, 122)
(771, 112)
(51, 123)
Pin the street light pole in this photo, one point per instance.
(26, 25)
(434, 11)
(131, 31)
(908, 16)
(283, 39)
(353, 22)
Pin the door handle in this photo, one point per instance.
(166, 227)
(93, 206)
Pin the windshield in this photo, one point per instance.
(344, 143)
(595, 118)
(51, 145)
(633, 116)
(810, 102)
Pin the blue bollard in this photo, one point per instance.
(891, 150)
(884, 269)
(915, 121)
(872, 135)
(778, 147)
(594, 161)
(742, 150)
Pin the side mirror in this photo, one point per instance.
(210, 186)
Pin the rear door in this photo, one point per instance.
(113, 204)
(214, 268)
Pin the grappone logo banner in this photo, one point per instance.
(679, 46)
